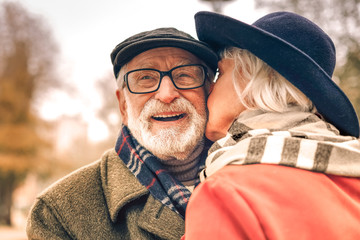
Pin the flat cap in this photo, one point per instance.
(161, 37)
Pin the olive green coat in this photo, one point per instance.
(102, 201)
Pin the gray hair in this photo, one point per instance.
(120, 79)
(265, 89)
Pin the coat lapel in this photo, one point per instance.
(122, 187)
(119, 184)
(161, 220)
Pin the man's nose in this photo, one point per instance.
(167, 92)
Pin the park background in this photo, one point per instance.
(58, 109)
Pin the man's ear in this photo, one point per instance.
(122, 106)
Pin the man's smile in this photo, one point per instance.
(167, 117)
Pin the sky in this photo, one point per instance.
(86, 31)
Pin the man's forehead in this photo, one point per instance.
(158, 56)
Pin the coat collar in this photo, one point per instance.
(122, 187)
(119, 184)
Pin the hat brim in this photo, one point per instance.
(199, 50)
(220, 31)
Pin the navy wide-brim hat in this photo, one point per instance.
(161, 37)
(296, 48)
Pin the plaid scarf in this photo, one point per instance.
(150, 172)
(294, 139)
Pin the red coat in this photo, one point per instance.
(263, 201)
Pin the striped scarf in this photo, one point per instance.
(294, 139)
(151, 173)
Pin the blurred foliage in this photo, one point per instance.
(341, 20)
(27, 63)
(217, 5)
(109, 111)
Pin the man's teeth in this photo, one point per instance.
(171, 117)
(165, 116)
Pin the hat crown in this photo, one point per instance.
(156, 33)
(161, 33)
(161, 37)
(302, 34)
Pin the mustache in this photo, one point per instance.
(153, 107)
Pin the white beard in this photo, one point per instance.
(176, 142)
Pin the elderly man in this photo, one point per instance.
(139, 190)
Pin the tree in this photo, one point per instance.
(341, 20)
(27, 70)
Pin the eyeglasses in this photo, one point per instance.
(148, 80)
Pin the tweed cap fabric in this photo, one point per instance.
(296, 48)
(161, 37)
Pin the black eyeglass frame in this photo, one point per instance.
(166, 73)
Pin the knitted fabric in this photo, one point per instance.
(151, 173)
(294, 139)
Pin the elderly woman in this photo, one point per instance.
(285, 163)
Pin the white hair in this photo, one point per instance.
(265, 89)
(176, 142)
(120, 79)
